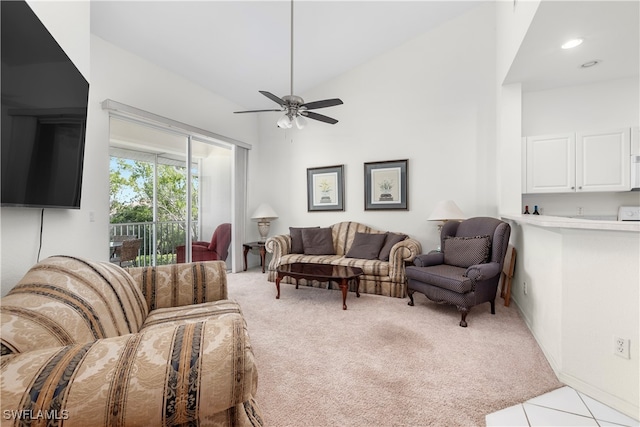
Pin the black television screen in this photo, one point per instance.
(44, 110)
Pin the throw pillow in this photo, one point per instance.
(392, 239)
(366, 246)
(296, 239)
(317, 241)
(466, 251)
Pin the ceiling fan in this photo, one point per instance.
(294, 108)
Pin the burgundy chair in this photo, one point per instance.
(217, 249)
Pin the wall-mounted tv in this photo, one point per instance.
(44, 111)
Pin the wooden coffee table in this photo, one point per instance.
(340, 274)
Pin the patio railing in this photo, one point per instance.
(162, 250)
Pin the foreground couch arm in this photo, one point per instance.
(278, 246)
(195, 374)
(401, 253)
(176, 285)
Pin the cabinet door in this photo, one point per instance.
(603, 161)
(551, 163)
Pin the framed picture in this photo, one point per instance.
(385, 185)
(325, 188)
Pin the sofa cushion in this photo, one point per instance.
(64, 300)
(390, 241)
(175, 316)
(296, 239)
(169, 376)
(366, 246)
(199, 282)
(317, 241)
(466, 251)
(318, 259)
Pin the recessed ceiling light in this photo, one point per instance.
(572, 43)
(591, 63)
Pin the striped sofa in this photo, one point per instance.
(380, 277)
(89, 344)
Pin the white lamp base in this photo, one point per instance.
(263, 229)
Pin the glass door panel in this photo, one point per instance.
(157, 195)
(211, 210)
(148, 180)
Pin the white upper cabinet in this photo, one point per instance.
(551, 163)
(579, 162)
(603, 161)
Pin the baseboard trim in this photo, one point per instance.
(555, 365)
(608, 399)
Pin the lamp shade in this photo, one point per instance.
(446, 210)
(264, 211)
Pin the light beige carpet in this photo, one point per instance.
(382, 362)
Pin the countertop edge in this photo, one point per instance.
(573, 223)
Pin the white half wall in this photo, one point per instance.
(581, 291)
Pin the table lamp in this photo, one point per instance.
(264, 215)
(444, 211)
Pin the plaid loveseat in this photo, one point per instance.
(89, 344)
(381, 276)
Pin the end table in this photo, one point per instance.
(255, 245)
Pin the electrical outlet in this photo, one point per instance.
(524, 288)
(621, 347)
(580, 211)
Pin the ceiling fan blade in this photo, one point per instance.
(320, 117)
(273, 97)
(322, 104)
(253, 111)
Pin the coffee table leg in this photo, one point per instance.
(344, 286)
(278, 278)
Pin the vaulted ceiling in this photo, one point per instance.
(236, 48)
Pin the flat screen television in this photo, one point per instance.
(44, 111)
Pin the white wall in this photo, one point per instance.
(582, 290)
(513, 21)
(598, 303)
(64, 230)
(431, 100)
(128, 79)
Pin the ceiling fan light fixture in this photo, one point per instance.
(284, 122)
(301, 122)
(296, 111)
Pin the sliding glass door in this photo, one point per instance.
(169, 190)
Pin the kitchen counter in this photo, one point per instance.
(574, 223)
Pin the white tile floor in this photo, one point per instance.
(562, 407)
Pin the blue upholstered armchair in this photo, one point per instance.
(467, 271)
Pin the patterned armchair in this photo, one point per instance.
(89, 344)
(467, 271)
